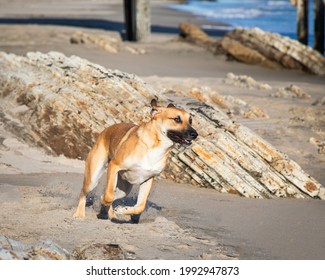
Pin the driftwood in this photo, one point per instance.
(254, 46)
(61, 104)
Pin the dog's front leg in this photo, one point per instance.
(144, 192)
(108, 196)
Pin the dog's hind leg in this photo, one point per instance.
(94, 168)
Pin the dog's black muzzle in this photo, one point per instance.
(184, 137)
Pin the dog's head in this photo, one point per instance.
(175, 123)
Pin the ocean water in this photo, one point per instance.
(277, 16)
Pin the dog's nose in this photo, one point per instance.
(193, 134)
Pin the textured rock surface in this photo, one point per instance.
(11, 249)
(61, 104)
(110, 43)
(246, 54)
(195, 35)
(255, 46)
(44, 250)
(102, 252)
(244, 81)
(287, 52)
(291, 91)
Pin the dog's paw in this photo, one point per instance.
(135, 219)
(102, 216)
(79, 216)
(103, 213)
(121, 214)
(120, 210)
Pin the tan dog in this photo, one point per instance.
(134, 154)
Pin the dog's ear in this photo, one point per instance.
(154, 103)
(155, 109)
(171, 105)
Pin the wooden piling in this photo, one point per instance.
(130, 20)
(143, 20)
(302, 21)
(319, 26)
(137, 20)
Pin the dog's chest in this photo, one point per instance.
(140, 169)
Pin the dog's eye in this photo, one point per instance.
(190, 120)
(178, 119)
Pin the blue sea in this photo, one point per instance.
(270, 15)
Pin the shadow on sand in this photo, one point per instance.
(98, 24)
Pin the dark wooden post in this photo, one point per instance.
(319, 26)
(130, 21)
(137, 19)
(302, 21)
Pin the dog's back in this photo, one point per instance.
(113, 136)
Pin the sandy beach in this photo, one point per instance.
(39, 192)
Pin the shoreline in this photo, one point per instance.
(267, 27)
(164, 20)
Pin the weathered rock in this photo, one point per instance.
(257, 47)
(110, 42)
(99, 251)
(232, 106)
(107, 43)
(320, 144)
(289, 53)
(319, 102)
(247, 55)
(44, 250)
(193, 34)
(244, 81)
(291, 91)
(61, 104)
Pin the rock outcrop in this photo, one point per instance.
(100, 251)
(288, 53)
(11, 249)
(61, 104)
(257, 47)
(44, 250)
(197, 36)
(111, 43)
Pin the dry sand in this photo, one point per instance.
(39, 192)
